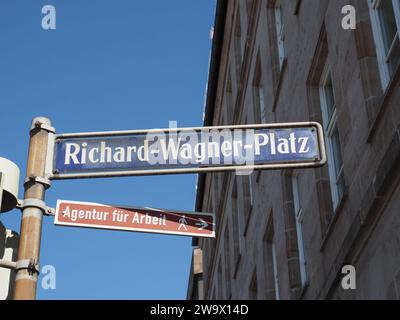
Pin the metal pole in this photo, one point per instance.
(31, 224)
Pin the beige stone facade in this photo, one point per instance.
(283, 61)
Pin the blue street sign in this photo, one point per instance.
(188, 150)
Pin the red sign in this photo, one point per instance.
(95, 215)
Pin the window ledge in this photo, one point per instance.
(384, 102)
(332, 224)
(278, 88)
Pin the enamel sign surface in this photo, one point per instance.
(188, 150)
(100, 216)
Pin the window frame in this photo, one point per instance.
(275, 269)
(330, 125)
(298, 214)
(258, 94)
(377, 31)
(239, 46)
(280, 35)
(261, 102)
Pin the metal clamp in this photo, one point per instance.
(35, 179)
(36, 203)
(26, 264)
(31, 265)
(42, 126)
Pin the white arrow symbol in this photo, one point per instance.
(202, 223)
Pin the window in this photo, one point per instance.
(298, 212)
(239, 47)
(258, 95)
(270, 261)
(329, 116)
(279, 31)
(385, 20)
(275, 270)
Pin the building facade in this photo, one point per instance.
(286, 234)
(196, 285)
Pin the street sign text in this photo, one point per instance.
(94, 215)
(188, 150)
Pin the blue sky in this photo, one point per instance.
(109, 65)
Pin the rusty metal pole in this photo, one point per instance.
(33, 206)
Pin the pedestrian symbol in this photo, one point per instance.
(182, 223)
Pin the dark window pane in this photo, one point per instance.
(394, 57)
(388, 23)
(336, 151)
(330, 99)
